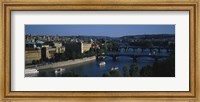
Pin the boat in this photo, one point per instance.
(59, 70)
(102, 63)
(31, 71)
(114, 68)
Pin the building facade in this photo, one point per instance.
(32, 55)
(45, 51)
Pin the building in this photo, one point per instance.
(85, 47)
(48, 53)
(95, 46)
(32, 55)
(30, 46)
(35, 51)
(51, 48)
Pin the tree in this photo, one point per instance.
(115, 46)
(107, 74)
(33, 62)
(41, 61)
(71, 73)
(37, 61)
(126, 71)
(63, 57)
(101, 51)
(146, 71)
(133, 70)
(73, 55)
(164, 68)
(115, 73)
(149, 44)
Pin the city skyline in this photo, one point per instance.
(98, 30)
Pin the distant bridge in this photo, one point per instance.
(134, 56)
(159, 48)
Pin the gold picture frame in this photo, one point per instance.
(154, 5)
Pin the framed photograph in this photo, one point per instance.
(100, 50)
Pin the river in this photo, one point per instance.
(92, 69)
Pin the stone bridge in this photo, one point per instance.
(134, 56)
(159, 48)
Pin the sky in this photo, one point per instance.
(99, 30)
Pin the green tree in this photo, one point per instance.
(133, 70)
(60, 57)
(33, 62)
(63, 57)
(146, 71)
(107, 74)
(101, 51)
(126, 71)
(115, 46)
(163, 68)
(149, 44)
(71, 74)
(37, 61)
(115, 73)
(41, 61)
(73, 55)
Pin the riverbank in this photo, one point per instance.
(65, 63)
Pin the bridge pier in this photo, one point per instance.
(126, 49)
(167, 50)
(156, 59)
(114, 58)
(134, 49)
(159, 50)
(134, 59)
(151, 50)
(118, 50)
(97, 57)
(142, 50)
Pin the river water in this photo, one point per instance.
(92, 68)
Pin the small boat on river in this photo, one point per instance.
(59, 70)
(114, 68)
(31, 71)
(102, 63)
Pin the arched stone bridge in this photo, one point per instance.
(159, 48)
(134, 56)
